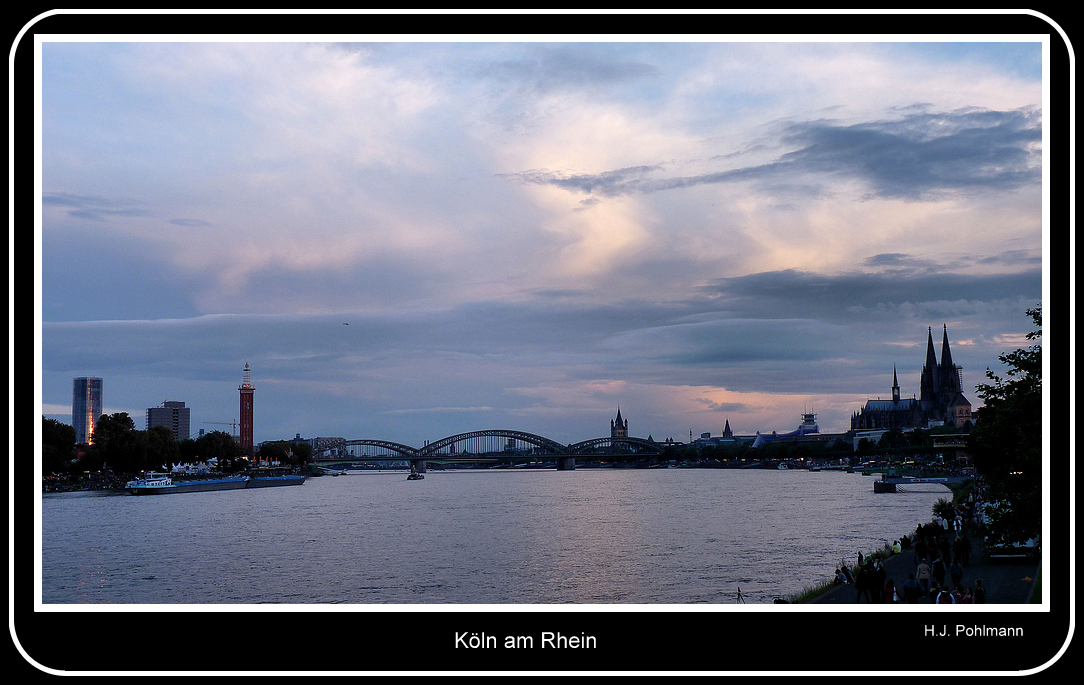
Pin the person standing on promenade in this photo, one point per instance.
(878, 585)
(980, 592)
(956, 572)
(920, 549)
(891, 594)
(861, 584)
(965, 550)
(946, 550)
(912, 591)
(923, 576)
(938, 569)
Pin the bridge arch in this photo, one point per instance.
(551, 446)
(638, 444)
(398, 448)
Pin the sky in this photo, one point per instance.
(409, 240)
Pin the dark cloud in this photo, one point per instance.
(724, 407)
(925, 154)
(604, 182)
(188, 223)
(919, 156)
(94, 208)
(1014, 258)
(791, 293)
(562, 67)
(775, 332)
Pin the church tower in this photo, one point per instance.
(928, 380)
(895, 386)
(617, 428)
(949, 375)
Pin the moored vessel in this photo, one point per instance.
(275, 481)
(161, 484)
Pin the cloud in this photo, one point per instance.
(920, 156)
(190, 222)
(563, 67)
(95, 208)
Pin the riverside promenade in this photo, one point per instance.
(1007, 581)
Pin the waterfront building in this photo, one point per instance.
(807, 431)
(246, 391)
(86, 408)
(940, 401)
(334, 446)
(174, 416)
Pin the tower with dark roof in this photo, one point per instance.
(617, 428)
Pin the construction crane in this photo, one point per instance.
(231, 424)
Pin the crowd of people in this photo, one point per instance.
(941, 552)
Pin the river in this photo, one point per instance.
(470, 537)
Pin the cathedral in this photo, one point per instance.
(940, 402)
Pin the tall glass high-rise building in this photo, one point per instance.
(86, 408)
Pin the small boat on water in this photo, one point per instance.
(783, 467)
(161, 484)
(415, 474)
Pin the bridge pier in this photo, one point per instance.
(418, 464)
(566, 463)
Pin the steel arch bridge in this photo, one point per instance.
(474, 444)
(549, 446)
(404, 450)
(638, 445)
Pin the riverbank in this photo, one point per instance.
(1007, 581)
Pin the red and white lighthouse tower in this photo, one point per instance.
(246, 391)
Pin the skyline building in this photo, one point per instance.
(174, 416)
(86, 407)
(246, 391)
(619, 429)
(940, 402)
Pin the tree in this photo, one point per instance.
(188, 451)
(57, 445)
(1007, 442)
(162, 448)
(112, 444)
(302, 453)
(278, 451)
(221, 446)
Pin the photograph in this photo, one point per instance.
(541, 341)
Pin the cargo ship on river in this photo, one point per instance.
(275, 481)
(162, 483)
